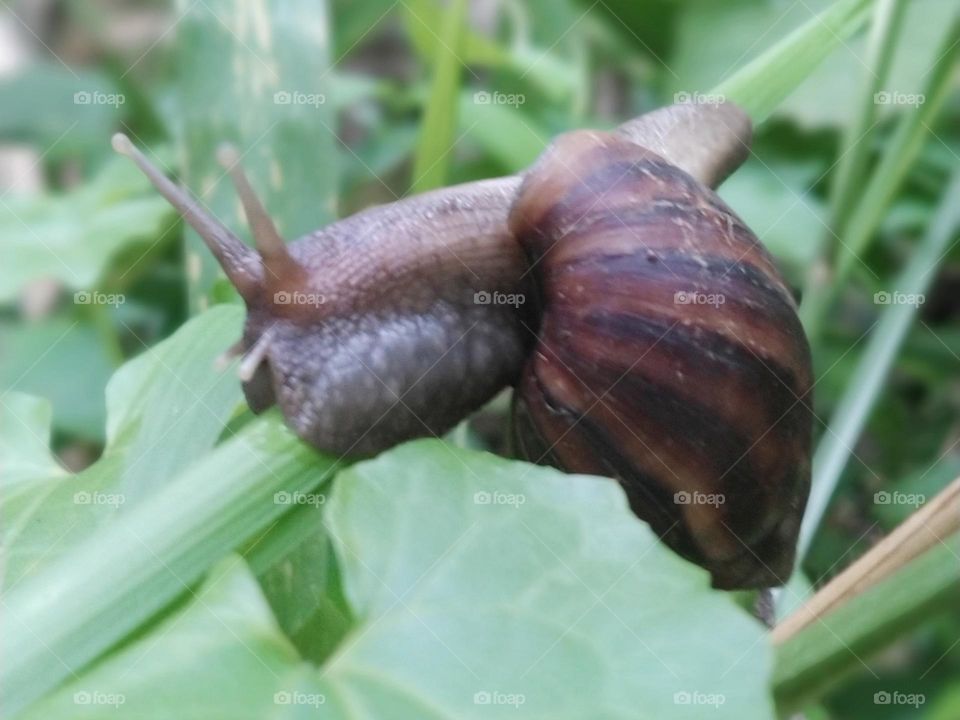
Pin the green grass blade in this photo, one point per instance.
(255, 75)
(855, 150)
(56, 623)
(878, 356)
(762, 84)
(434, 149)
(824, 652)
(889, 174)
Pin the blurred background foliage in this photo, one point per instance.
(394, 109)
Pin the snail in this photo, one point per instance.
(647, 332)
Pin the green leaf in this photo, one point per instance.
(171, 396)
(25, 440)
(73, 236)
(257, 76)
(479, 580)
(41, 358)
(222, 656)
(98, 591)
(64, 110)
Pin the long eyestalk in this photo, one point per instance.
(239, 262)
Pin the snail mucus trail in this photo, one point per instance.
(659, 345)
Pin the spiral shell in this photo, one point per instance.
(669, 355)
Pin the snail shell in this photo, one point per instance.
(669, 355)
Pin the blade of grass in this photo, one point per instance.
(854, 408)
(762, 84)
(855, 149)
(822, 654)
(136, 565)
(889, 174)
(255, 75)
(432, 158)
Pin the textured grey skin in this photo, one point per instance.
(398, 348)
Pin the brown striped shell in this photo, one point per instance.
(669, 355)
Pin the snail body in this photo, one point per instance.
(380, 328)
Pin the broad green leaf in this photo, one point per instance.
(25, 440)
(170, 397)
(256, 75)
(66, 111)
(72, 236)
(483, 585)
(42, 358)
(222, 656)
(103, 588)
